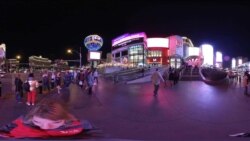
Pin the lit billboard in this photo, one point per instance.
(208, 54)
(233, 65)
(193, 51)
(94, 55)
(157, 42)
(176, 45)
(2, 50)
(218, 56)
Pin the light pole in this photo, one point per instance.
(18, 57)
(79, 53)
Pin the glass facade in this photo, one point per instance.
(136, 54)
(175, 62)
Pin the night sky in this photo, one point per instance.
(49, 27)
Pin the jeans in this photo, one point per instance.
(156, 88)
(18, 96)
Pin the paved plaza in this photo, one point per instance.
(191, 110)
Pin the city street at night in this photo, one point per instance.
(191, 110)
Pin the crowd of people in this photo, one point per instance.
(50, 81)
(49, 116)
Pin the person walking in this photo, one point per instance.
(90, 81)
(245, 82)
(31, 97)
(156, 79)
(19, 88)
(0, 88)
(95, 76)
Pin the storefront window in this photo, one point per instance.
(155, 53)
(136, 54)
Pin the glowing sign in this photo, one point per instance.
(93, 42)
(208, 54)
(239, 61)
(193, 51)
(218, 56)
(94, 55)
(2, 50)
(233, 63)
(128, 37)
(158, 42)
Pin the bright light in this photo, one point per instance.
(94, 55)
(239, 61)
(18, 57)
(158, 42)
(69, 51)
(218, 56)
(193, 51)
(208, 54)
(128, 37)
(233, 63)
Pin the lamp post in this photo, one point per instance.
(18, 57)
(70, 51)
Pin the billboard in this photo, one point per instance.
(218, 57)
(157, 42)
(2, 50)
(208, 54)
(94, 55)
(193, 51)
(176, 45)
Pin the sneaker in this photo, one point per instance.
(28, 103)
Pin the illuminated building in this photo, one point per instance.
(157, 51)
(130, 48)
(38, 62)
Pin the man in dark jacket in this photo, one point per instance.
(19, 88)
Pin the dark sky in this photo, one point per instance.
(49, 27)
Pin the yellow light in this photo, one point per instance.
(69, 51)
(18, 57)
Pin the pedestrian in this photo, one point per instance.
(80, 78)
(0, 88)
(95, 75)
(19, 88)
(156, 79)
(90, 81)
(31, 96)
(58, 82)
(49, 118)
(245, 82)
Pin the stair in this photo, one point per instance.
(190, 74)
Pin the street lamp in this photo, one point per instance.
(70, 51)
(18, 57)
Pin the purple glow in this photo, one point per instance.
(120, 37)
(128, 37)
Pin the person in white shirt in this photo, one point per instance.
(156, 79)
